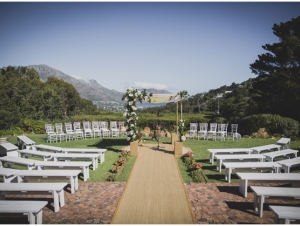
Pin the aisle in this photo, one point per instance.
(155, 193)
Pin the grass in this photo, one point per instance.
(199, 148)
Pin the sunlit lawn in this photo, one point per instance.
(199, 148)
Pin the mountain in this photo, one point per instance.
(88, 89)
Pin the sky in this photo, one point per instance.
(174, 46)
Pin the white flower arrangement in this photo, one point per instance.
(132, 96)
(181, 130)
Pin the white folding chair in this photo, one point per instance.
(202, 130)
(114, 131)
(212, 133)
(104, 130)
(78, 131)
(96, 129)
(71, 135)
(193, 130)
(87, 130)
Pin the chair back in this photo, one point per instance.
(103, 124)
(193, 126)
(68, 126)
(77, 126)
(120, 125)
(213, 127)
(113, 125)
(86, 125)
(203, 127)
(234, 128)
(59, 128)
(95, 125)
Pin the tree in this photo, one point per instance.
(277, 87)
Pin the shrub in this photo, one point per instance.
(273, 124)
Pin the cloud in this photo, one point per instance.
(145, 85)
(80, 78)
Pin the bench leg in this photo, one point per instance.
(31, 218)
(55, 201)
(39, 217)
(62, 198)
(261, 205)
(72, 182)
(76, 183)
(243, 187)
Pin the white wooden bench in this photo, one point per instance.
(72, 175)
(246, 178)
(7, 147)
(268, 147)
(45, 155)
(287, 213)
(288, 163)
(34, 209)
(75, 156)
(56, 189)
(261, 193)
(48, 148)
(271, 155)
(73, 150)
(31, 164)
(230, 166)
(8, 174)
(239, 158)
(84, 166)
(284, 143)
(24, 142)
(87, 151)
(212, 152)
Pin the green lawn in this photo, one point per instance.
(199, 148)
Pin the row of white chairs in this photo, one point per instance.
(213, 131)
(88, 130)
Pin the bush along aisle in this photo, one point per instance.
(193, 167)
(119, 166)
(132, 96)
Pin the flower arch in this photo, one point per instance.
(132, 96)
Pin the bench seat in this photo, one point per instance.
(31, 164)
(271, 155)
(24, 142)
(288, 163)
(45, 155)
(246, 178)
(212, 152)
(261, 193)
(56, 189)
(268, 147)
(237, 157)
(72, 175)
(8, 174)
(230, 166)
(288, 213)
(34, 209)
(84, 166)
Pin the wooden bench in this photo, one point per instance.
(31, 164)
(84, 166)
(234, 158)
(72, 175)
(288, 213)
(48, 148)
(284, 143)
(212, 152)
(261, 193)
(87, 151)
(45, 155)
(56, 189)
(288, 163)
(271, 155)
(75, 156)
(246, 178)
(8, 174)
(230, 166)
(24, 142)
(269, 147)
(34, 209)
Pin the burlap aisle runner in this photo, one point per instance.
(154, 193)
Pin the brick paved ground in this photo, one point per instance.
(222, 203)
(95, 203)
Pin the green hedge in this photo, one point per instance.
(274, 124)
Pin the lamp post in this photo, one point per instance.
(218, 97)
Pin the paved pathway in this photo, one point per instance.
(155, 193)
